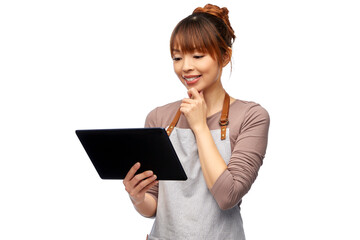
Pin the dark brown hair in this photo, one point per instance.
(208, 30)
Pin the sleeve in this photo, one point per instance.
(246, 159)
(151, 122)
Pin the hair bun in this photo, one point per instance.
(222, 13)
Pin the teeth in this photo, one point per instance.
(191, 79)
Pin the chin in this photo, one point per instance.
(199, 89)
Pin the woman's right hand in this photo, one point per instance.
(137, 185)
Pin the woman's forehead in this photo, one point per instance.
(179, 51)
(182, 45)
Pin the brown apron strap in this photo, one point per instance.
(223, 122)
(173, 123)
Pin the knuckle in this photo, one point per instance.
(142, 184)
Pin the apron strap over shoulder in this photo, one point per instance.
(223, 122)
(173, 123)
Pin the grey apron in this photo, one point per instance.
(187, 209)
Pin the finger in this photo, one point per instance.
(187, 100)
(139, 177)
(144, 184)
(194, 93)
(149, 186)
(185, 108)
(131, 172)
(189, 94)
(186, 105)
(138, 191)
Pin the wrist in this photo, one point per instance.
(200, 129)
(136, 202)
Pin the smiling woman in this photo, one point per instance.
(202, 57)
(220, 141)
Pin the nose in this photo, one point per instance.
(187, 65)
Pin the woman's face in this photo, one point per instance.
(196, 70)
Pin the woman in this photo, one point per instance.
(220, 141)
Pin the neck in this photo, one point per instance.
(214, 98)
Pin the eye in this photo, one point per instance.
(198, 56)
(176, 59)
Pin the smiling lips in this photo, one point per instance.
(191, 79)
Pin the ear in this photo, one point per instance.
(227, 57)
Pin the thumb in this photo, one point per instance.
(189, 94)
(193, 93)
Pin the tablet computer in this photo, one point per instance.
(114, 151)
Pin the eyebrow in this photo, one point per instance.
(176, 50)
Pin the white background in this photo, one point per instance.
(67, 65)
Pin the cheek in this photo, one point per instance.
(216, 71)
(178, 73)
(177, 69)
(212, 73)
(209, 67)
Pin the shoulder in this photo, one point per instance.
(248, 109)
(245, 115)
(160, 116)
(248, 120)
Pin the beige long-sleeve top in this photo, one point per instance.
(248, 126)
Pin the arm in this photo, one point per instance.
(212, 164)
(195, 110)
(246, 158)
(148, 207)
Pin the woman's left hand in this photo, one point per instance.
(194, 109)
